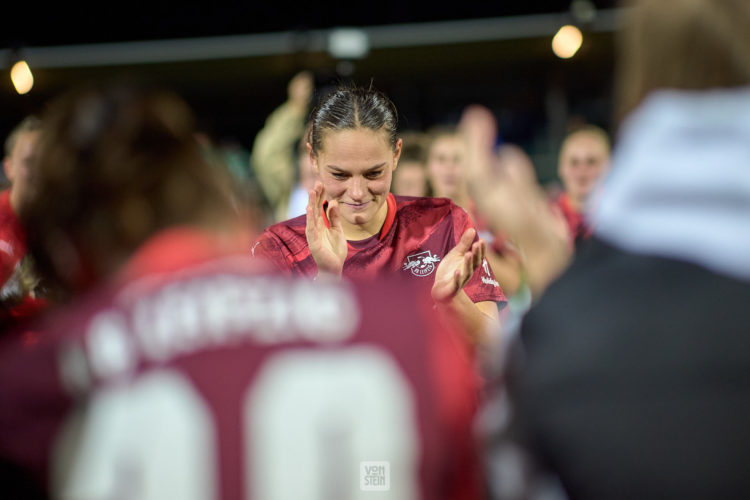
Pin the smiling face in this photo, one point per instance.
(356, 167)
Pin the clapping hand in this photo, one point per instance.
(327, 244)
(458, 266)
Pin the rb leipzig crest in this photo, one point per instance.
(421, 264)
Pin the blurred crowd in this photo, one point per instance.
(351, 309)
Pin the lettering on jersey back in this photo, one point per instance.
(202, 312)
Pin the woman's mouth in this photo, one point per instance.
(357, 206)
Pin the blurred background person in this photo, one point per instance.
(507, 190)
(513, 202)
(446, 165)
(583, 160)
(21, 291)
(177, 367)
(445, 157)
(279, 155)
(629, 380)
(410, 178)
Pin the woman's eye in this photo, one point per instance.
(373, 175)
(338, 176)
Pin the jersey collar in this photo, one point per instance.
(390, 216)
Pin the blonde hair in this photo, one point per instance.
(29, 124)
(590, 130)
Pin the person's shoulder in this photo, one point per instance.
(285, 236)
(421, 203)
(5, 201)
(424, 212)
(423, 200)
(596, 266)
(46, 324)
(287, 228)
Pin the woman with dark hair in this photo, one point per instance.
(354, 226)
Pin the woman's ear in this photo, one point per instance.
(397, 153)
(313, 158)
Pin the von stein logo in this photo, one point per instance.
(375, 476)
(421, 264)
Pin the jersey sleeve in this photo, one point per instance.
(483, 285)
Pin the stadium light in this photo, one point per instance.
(21, 76)
(567, 41)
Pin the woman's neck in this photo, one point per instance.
(356, 232)
(575, 202)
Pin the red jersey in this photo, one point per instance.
(197, 376)
(13, 249)
(12, 238)
(576, 222)
(416, 235)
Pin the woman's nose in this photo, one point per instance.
(357, 188)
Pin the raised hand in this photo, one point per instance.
(458, 266)
(508, 195)
(300, 89)
(327, 244)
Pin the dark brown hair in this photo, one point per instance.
(116, 164)
(352, 107)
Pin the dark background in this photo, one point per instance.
(535, 95)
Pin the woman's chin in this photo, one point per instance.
(359, 219)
